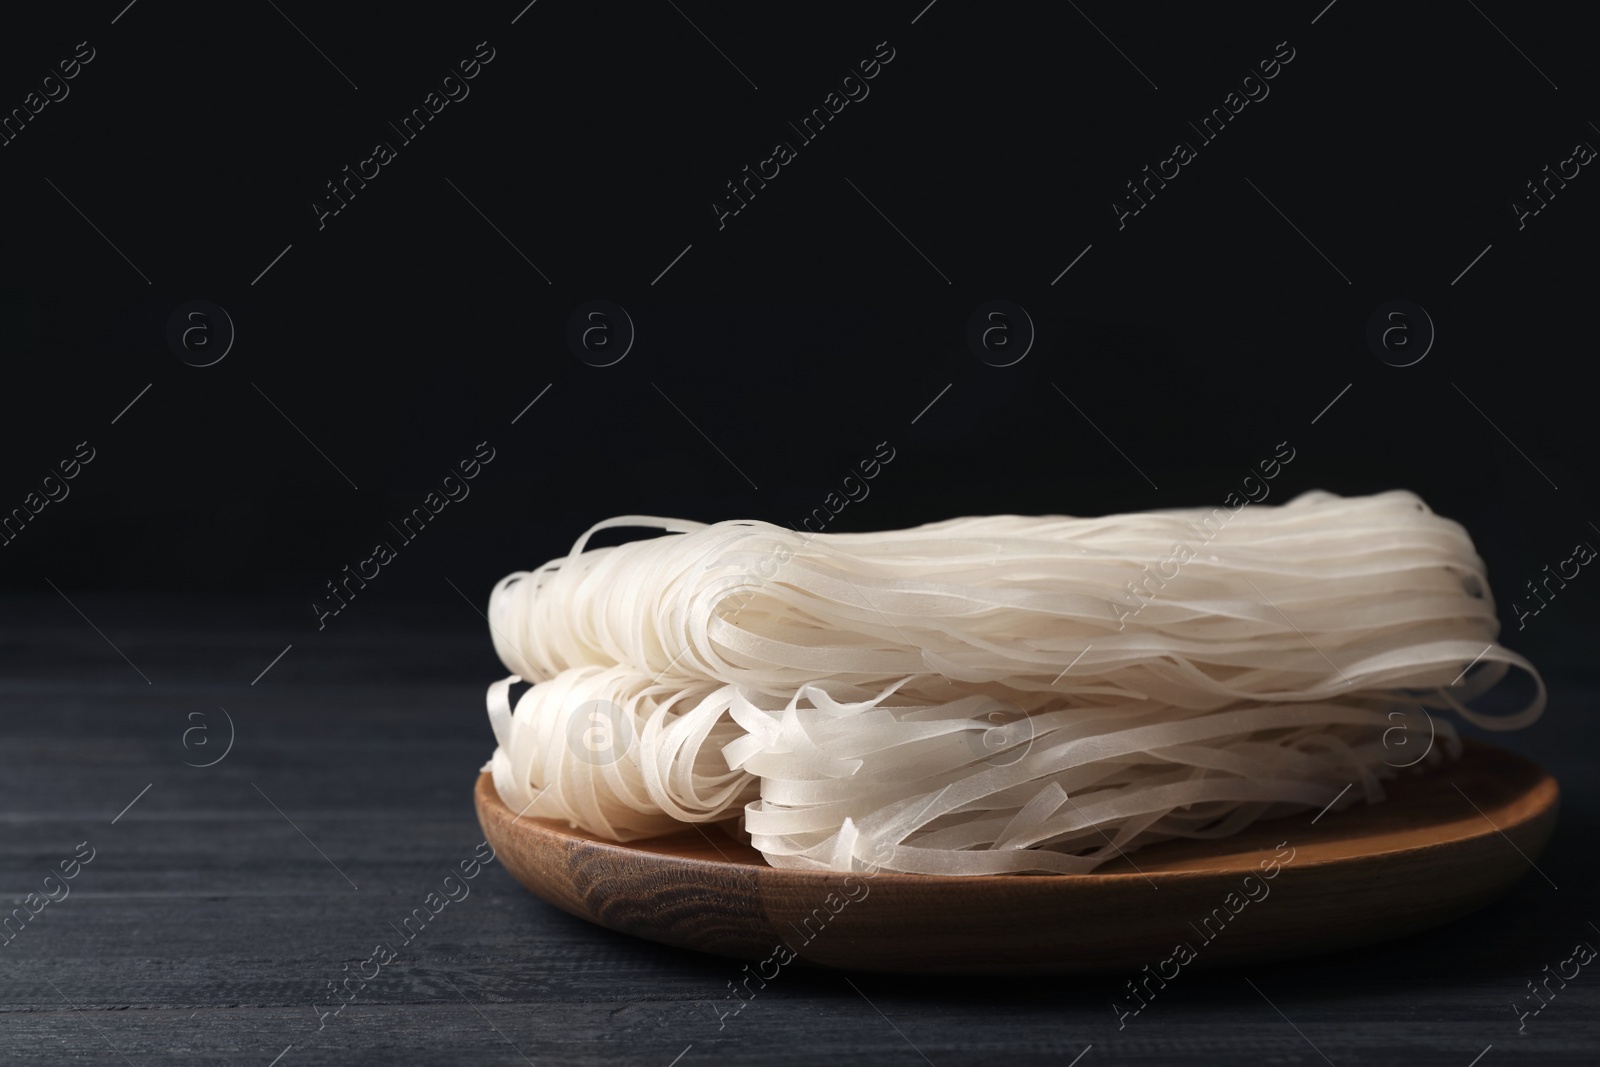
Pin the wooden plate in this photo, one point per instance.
(1442, 845)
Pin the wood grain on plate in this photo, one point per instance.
(1443, 844)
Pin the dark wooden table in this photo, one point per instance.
(222, 901)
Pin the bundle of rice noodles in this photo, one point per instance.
(992, 694)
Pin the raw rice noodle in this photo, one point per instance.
(997, 694)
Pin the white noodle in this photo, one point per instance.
(996, 694)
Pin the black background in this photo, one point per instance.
(821, 320)
(806, 330)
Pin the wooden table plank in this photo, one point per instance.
(207, 926)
